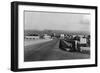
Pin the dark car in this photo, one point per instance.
(68, 45)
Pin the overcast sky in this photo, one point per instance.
(57, 21)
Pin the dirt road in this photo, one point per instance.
(49, 50)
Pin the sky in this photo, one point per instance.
(73, 22)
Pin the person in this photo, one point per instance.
(88, 40)
(77, 46)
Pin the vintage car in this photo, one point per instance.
(68, 45)
(72, 44)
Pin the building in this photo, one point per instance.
(47, 36)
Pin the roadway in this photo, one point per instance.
(49, 50)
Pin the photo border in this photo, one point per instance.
(14, 35)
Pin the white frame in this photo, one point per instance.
(23, 64)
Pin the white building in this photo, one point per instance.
(32, 37)
(47, 36)
(62, 36)
(83, 40)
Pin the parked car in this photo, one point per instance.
(73, 44)
(68, 45)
